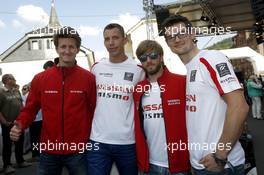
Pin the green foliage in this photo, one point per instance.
(224, 44)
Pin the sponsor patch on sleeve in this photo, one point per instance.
(193, 75)
(223, 69)
(128, 76)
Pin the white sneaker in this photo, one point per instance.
(9, 170)
(23, 164)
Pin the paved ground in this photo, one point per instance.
(256, 128)
(32, 170)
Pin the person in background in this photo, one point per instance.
(255, 92)
(27, 140)
(1, 83)
(10, 106)
(48, 64)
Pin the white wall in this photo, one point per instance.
(25, 71)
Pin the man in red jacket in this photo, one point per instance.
(160, 129)
(66, 94)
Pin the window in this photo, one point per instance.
(35, 45)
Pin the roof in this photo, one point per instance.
(246, 52)
(236, 14)
(45, 32)
(53, 21)
(52, 26)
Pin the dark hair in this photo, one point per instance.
(48, 64)
(115, 25)
(5, 77)
(146, 45)
(26, 87)
(174, 19)
(67, 32)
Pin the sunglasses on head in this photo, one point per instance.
(152, 56)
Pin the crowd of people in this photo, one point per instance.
(141, 117)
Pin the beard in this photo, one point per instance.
(155, 70)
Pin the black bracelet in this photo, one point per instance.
(220, 162)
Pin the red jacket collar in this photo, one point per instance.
(162, 78)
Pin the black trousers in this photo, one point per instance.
(35, 130)
(7, 147)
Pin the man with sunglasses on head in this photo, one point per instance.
(160, 124)
(113, 124)
(216, 107)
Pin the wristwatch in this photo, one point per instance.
(220, 162)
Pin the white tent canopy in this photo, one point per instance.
(246, 52)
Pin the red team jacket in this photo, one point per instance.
(67, 98)
(173, 105)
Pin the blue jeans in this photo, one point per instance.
(237, 170)
(52, 164)
(158, 170)
(100, 161)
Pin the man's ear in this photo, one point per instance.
(161, 58)
(193, 34)
(125, 40)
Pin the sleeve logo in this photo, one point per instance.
(223, 69)
(128, 76)
(193, 75)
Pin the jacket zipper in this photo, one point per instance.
(141, 116)
(161, 96)
(62, 105)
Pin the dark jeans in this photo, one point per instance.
(7, 147)
(100, 160)
(52, 164)
(158, 170)
(35, 130)
(237, 170)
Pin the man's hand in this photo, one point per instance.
(6, 123)
(15, 132)
(209, 163)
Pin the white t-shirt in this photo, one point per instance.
(209, 75)
(113, 121)
(154, 127)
